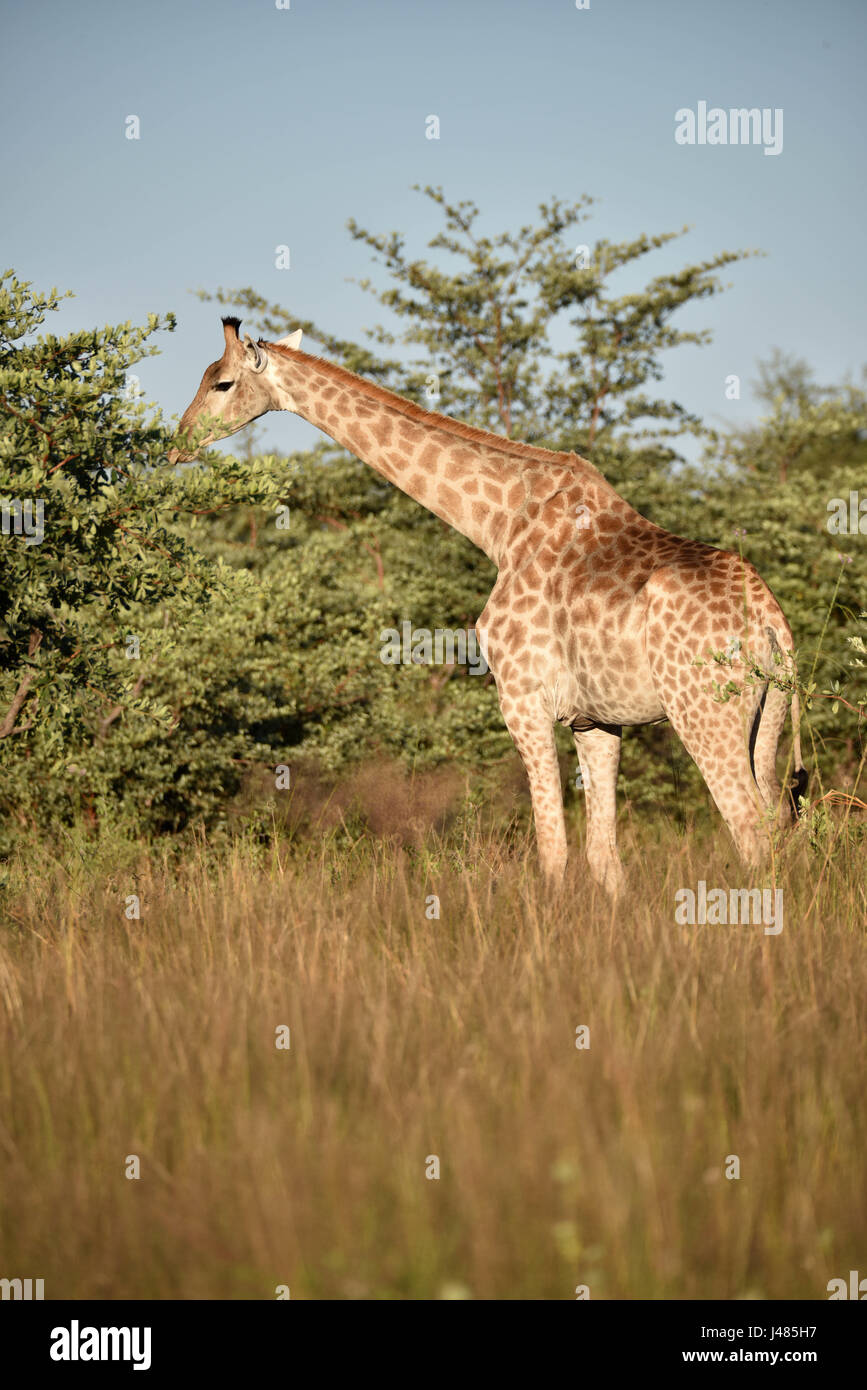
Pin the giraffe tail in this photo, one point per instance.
(797, 787)
(797, 784)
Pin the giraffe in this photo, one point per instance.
(598, 618)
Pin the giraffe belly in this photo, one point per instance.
(607, 687)
(585, 675)
(588, 708)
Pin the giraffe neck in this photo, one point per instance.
(475, 481)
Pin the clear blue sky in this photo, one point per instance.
(262, 126)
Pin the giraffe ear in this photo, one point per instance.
(293, 340)
(260, 358)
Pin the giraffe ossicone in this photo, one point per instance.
(598, 618)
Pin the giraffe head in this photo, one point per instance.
(238, 388)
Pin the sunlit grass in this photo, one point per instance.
(413, 1036)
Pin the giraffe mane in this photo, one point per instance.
(432, 417)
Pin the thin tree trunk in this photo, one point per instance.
(18, 699)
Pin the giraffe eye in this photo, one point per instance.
(224, 385)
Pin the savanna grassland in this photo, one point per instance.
(413, 1037)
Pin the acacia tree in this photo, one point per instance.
(488, 314)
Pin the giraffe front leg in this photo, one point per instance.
(533, 732)
(599, 755)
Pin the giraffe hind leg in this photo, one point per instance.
(717, 738)
(599, 755)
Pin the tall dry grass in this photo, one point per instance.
(413, 1037)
